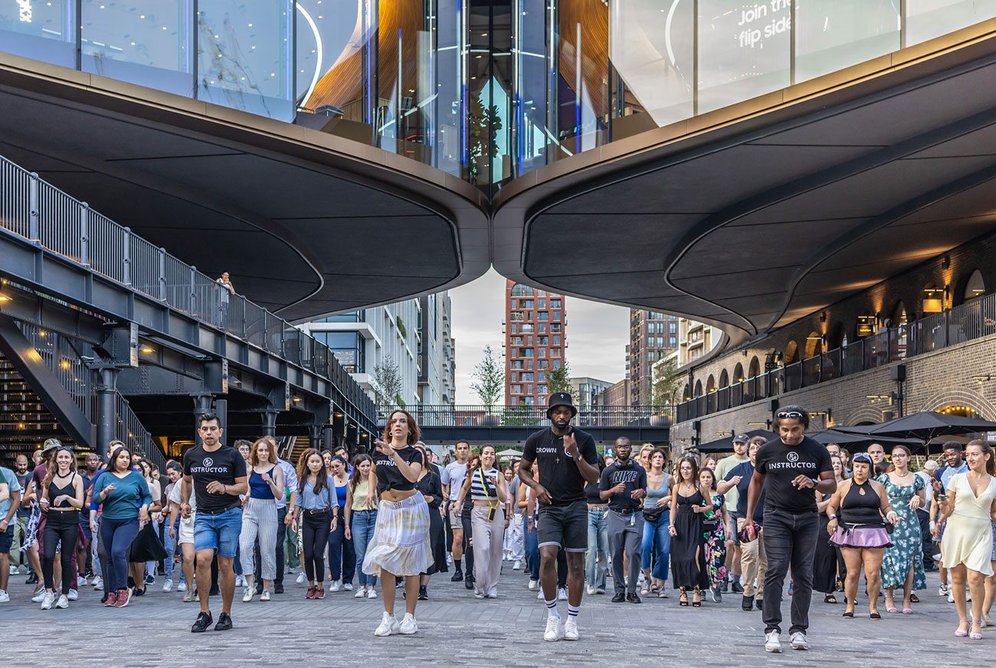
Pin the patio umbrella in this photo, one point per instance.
(726, 444)
(926, 425)
(510, 453)
(858, 440)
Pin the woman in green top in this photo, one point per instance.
(123, 495)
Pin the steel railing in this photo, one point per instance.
(966, 322)
(530, 416)
(38, 211)
(62, 358)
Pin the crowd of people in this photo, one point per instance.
(692, 528)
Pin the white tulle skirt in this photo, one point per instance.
(400, 544)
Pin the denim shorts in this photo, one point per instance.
(7, 537)
(218, 532)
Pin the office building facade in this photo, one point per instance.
(652, 335)
(535, 342)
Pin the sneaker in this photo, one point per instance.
(182, 586)
(533, 585)
(202, 623)
(408, 625)
(457, 576)
(278, 587)
(81, 582)
(799, 640)
(74, 595)
(188, 596)
(347, 586)
(63, 602)
(539, 596)
(478, 595)
(589, 590)
(240, 581)
(13, 570)
(571, 629)
(311, 593)
(747, 604)
(942, 590)
(633, 598)
(32, 579)
(248, 594)
(620, 597)
(224, 622)
(4, 596)
(168, 586)
(123, 598)
(111, 599)
(517, 566)
(301, 578)
(150, 579)
(48, 598)
(98, 583)
(423, 593)
(388, 626)
(772, 643)
(360, 593)
(39, 596)
(950, 596)
(371, 593)
(336, 585)
(562, 594)
(645, 589)
(717, 595)
(553, 631)
(319, 593)
(736, 587)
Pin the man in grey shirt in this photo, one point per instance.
(452, 478)
(624, 484)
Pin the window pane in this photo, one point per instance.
(834, 34)
(143, 43)
(39, 30)
(244, 55)
(743, 50)
(926, 19)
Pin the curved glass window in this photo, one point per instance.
(40, 30)
(833, 34)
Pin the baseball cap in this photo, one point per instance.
(741, 438)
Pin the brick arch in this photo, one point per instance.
(865, 414)
(958, 395)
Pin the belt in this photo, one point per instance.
(595, 506)
(317, 511)
(625, 511)
(215, 512)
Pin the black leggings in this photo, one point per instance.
(314, 538)
(64, 526)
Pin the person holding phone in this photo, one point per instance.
(489, 492)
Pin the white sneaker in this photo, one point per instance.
(517, 566)
(772, 643)
(645, 589)
(240, 581)
(13, 570)
(348, 586)
(589, 590)
(371, 593)
(950, 596)
(98, 582)
(336, 585)
(388, 625)
(265, 596)
(47, 600)
(539, 596)
(74, 595)
(248, 594)
(942, 590)
(81, 582)
(360, 593)
(553, 631)
(571, 629)
(562, 594)
(182, 587)
(302, 578)
(39, 597)
(63, 602)
(408, 625)
(533, 585)
(4, 596)
(168, 586)
(799, 640)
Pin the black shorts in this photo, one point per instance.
(563, 526)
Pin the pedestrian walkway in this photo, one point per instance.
(455, 629)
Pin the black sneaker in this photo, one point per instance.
(457, 576)
(224, 622)
(423, 593)
(278, 587)
(737, 587)
(32, 579)
(759, 603)
(259, 588)
(747, 604)
(204, 620)
(633, 598)
(724, 586)
(619, 598)
(214, 591)
(469, 583)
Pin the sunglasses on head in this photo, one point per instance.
(788, 414)
(862, 457)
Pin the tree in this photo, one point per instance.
(667, 382)
(489, 379)
(388, 383)
(559, 380)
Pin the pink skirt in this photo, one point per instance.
(861, 537)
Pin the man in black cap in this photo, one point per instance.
(567, 461)
(723, 468)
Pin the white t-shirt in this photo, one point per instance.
(174, 497)
(454, 475)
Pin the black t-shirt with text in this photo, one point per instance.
(388, 475)
(559, 474)
(224, 465)
(781, 463)
(633, 476)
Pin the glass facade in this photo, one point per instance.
(485, 90)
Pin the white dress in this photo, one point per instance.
(968, 536)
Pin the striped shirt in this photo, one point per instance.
(477, 490)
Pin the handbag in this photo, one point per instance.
(653, 514)
(147, 546)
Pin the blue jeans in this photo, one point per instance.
(596, 558)
(342, 556)
(657, 546)
(170, 545)
(362, 530)
(117, 536)
(218, 532)
(531, 541)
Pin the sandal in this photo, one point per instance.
(848, 613)
(874, 615)
(914, 599)
(696, 599)
(829, 598)
(976, 633)
(907, 611)
(683, 598)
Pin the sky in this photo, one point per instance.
(597, 333)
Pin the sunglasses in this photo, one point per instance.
(789, 414)
(861, 457)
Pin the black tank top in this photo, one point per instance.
(858, 508)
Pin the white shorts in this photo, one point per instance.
(186, 536)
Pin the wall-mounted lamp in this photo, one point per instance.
(866, 324)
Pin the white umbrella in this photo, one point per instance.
(510, 453)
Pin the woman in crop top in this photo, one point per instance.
(360, 518)
(400, 544)
(859, 530)
(259, 517)
(61, 498)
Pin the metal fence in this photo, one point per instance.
(966, 322)
(530, 416)
(66, 364)
(36, 210)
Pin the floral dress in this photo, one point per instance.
(714, 533)
(907, 545)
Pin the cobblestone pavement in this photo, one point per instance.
(455, 629)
